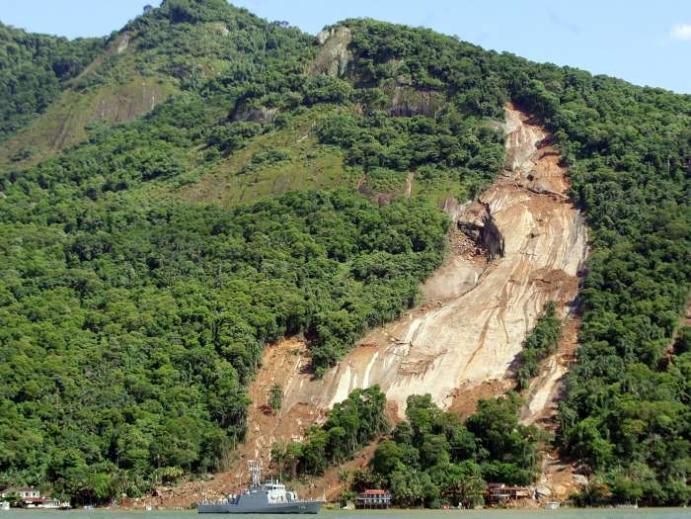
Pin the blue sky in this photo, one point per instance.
(647, 42)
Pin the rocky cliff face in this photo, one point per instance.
(334, 56)
(407, 101)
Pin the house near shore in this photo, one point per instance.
(498, 493)
(21, 492)
(30, 497)
(373, 499)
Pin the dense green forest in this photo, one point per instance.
(429, 459)
(434, 458)
(33, 70)
(137, 330)
(132, 315)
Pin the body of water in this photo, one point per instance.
(641, 513)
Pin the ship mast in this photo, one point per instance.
(255, 471)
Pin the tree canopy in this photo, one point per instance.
(434, 458)
(34, 68)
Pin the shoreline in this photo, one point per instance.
(327, 509)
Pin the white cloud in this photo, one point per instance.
(681, 31)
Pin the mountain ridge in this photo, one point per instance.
(208, 226)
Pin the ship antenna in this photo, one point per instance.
(256, 472)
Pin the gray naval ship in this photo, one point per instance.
(270, 497)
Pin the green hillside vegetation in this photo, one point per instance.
(430, 459)
(144, 269)
(540, 343)
(137, 330)
(34, 69)
(165, 51)
(434, 458)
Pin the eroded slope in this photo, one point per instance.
(476, 315)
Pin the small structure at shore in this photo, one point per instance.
(21, 493)
(30, 497)
(499, 493)
(373, 499)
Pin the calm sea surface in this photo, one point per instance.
(642, 513)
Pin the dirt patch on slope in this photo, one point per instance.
(284, 364)
(465, 399)
(335, 480)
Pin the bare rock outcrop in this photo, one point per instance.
(477, 222)
(334, 57)
(408, 101)
(256, 114)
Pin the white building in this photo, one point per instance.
(22, 492)
(29, 497)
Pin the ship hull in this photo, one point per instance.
(298, 507)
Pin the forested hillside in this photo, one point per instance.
(33, 70)
(144, 269)
(430, 458)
